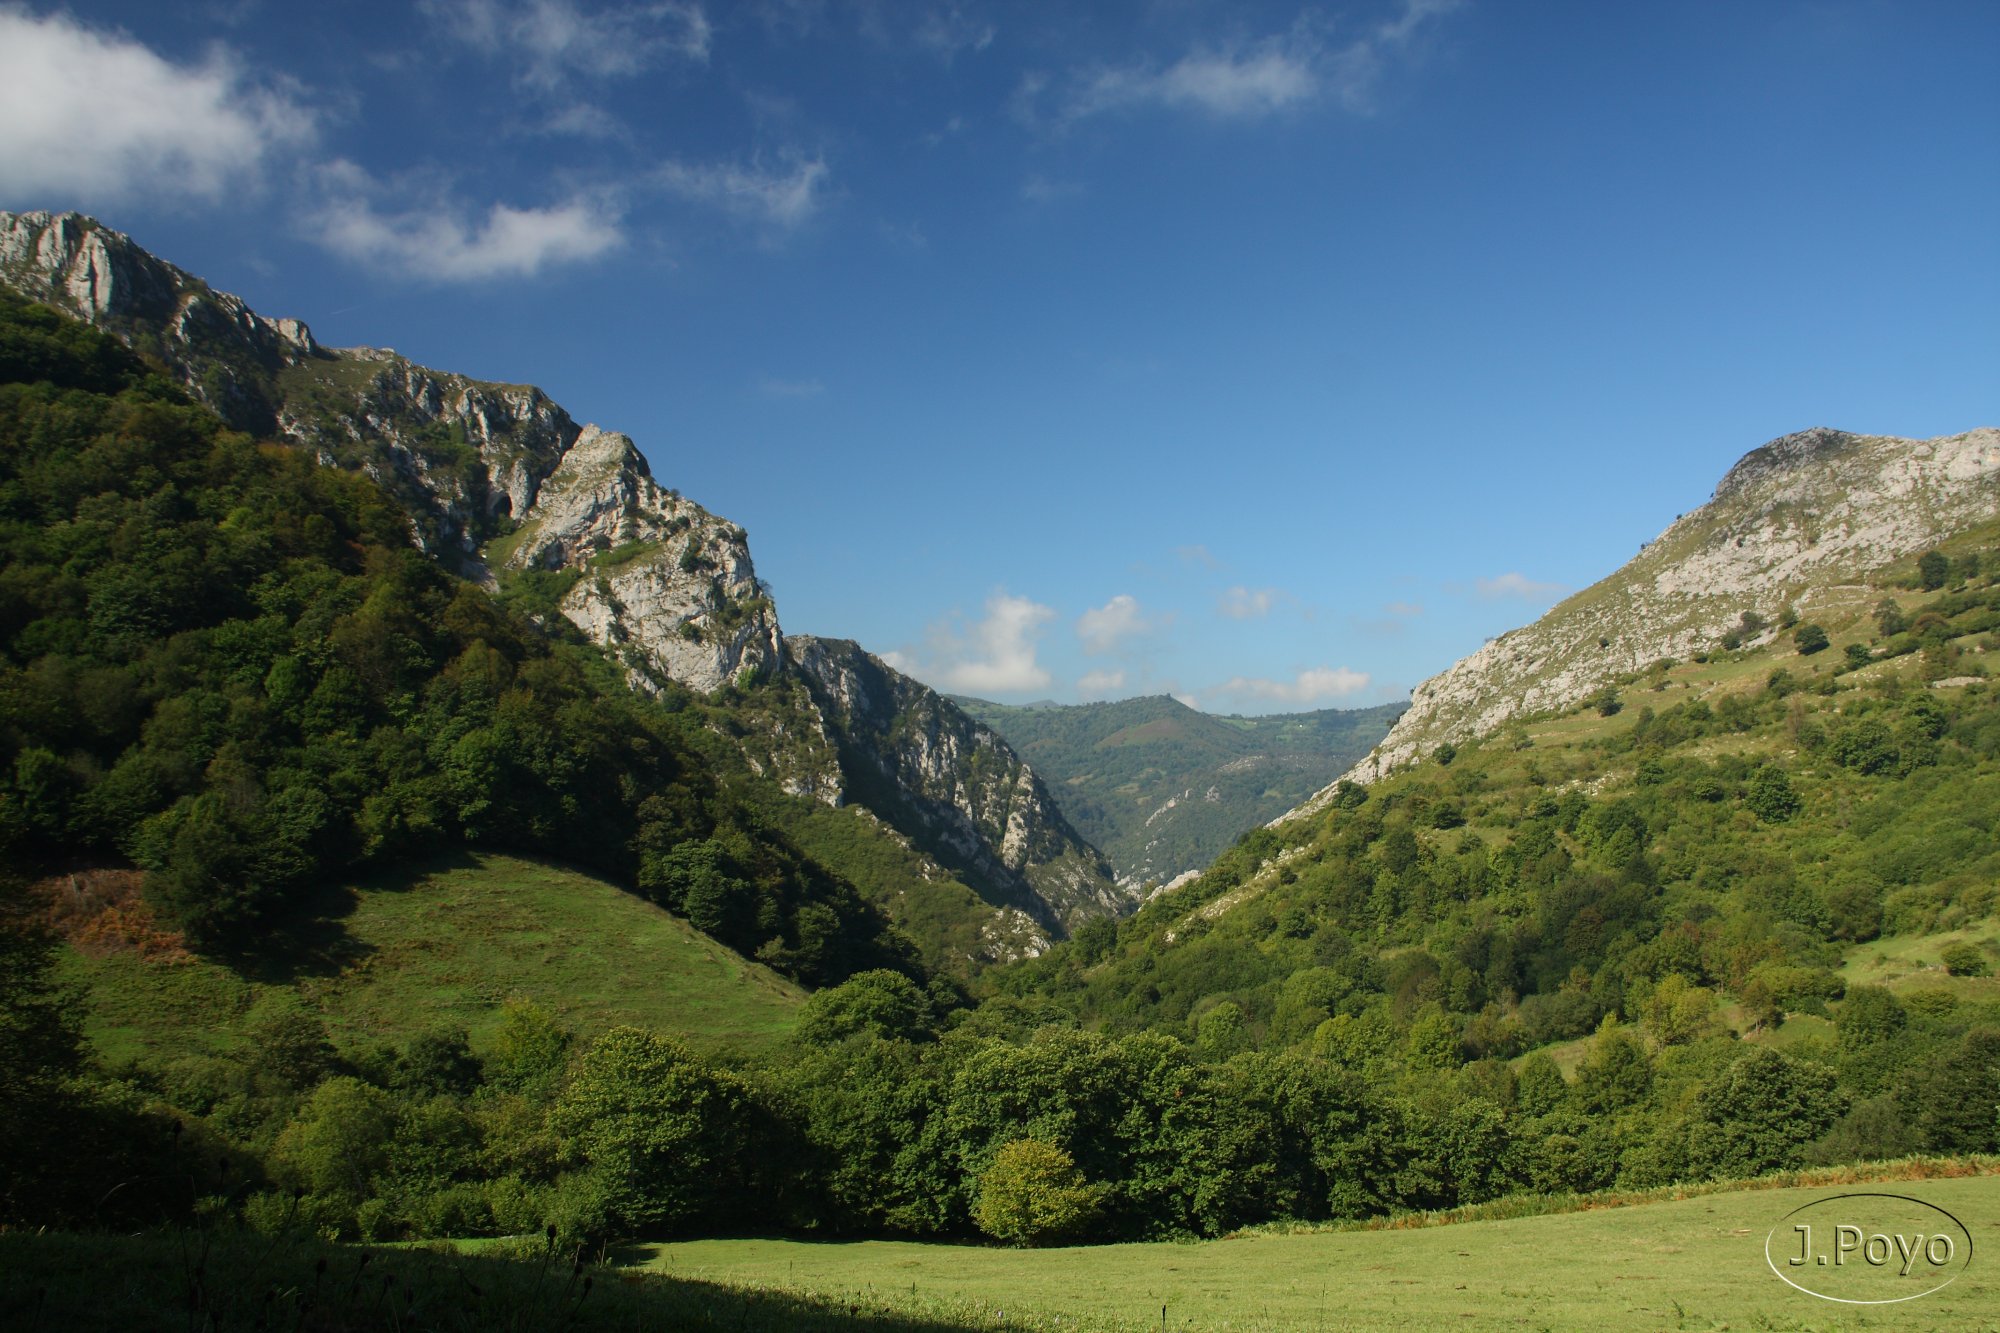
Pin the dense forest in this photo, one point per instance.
(1623, 946)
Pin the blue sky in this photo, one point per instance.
(1271, 355)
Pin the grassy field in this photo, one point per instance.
(179, 1281)
(1910, 962)
(1694, 1263)
(449, 944)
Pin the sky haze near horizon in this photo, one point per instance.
(1270, 355)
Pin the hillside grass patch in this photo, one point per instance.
(449, 944)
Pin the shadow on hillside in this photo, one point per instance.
(231, 1279)
(315, 942)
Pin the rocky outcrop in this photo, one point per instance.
(225, 353)
(665, 582)
(954, 787)
(1798, 522)
(479, 466)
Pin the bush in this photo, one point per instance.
(1810, 638)
(1963, 959)
(658, 1130)
(1033, 1194)
(1771, 797)
(1932, 570)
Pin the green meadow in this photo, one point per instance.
(1692, 1263)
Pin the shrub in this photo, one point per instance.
(657, 1129)
(1963, 959)
(1932, 570)
(1810, 638)
(1771, 797)
(1033, 1194)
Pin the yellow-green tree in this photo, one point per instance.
(1033, 1194)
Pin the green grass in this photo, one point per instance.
(53, 1282)
(449, 945)
(1910, 962)
(1695, 1263)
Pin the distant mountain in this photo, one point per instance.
(1164, 789)
(1792, 530)
(566, 521)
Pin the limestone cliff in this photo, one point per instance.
(664, 582)
(1795, 523)
(953, 786)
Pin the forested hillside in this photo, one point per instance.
(225, 663)
(939, 824)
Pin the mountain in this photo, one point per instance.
(503, 487)
(1164, 789)
(983, 811)
(1729, 842)
(1792, 530)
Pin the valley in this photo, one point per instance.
(446, 842)
(1163, 789)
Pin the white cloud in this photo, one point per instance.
(557, 41)
(1105, 628)
(1356, 69)
(946, 30)
(1100, 684)
(1241, 603)
(1520, 585)
(1310, 687)
(437, 239)
(1406, 609)
(1187, 700)
(585, 121)
(92, 116)
(786, 198)
(1239, 81)
(994, 656)
(1270, 76)
(1040, 189)
(1197, 555)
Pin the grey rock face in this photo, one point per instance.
(224, 352)
(473, 462)
(955, 787)
(1789, 524)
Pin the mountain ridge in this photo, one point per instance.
(500, 482)
(1162, 788)
(1790, 525)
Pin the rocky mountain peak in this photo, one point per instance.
(1797, 522)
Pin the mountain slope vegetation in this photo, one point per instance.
(566, 523)
(1691, 871)
(447, 945)
(224, 663)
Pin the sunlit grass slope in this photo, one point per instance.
(449, 944)
(1695, 1263)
